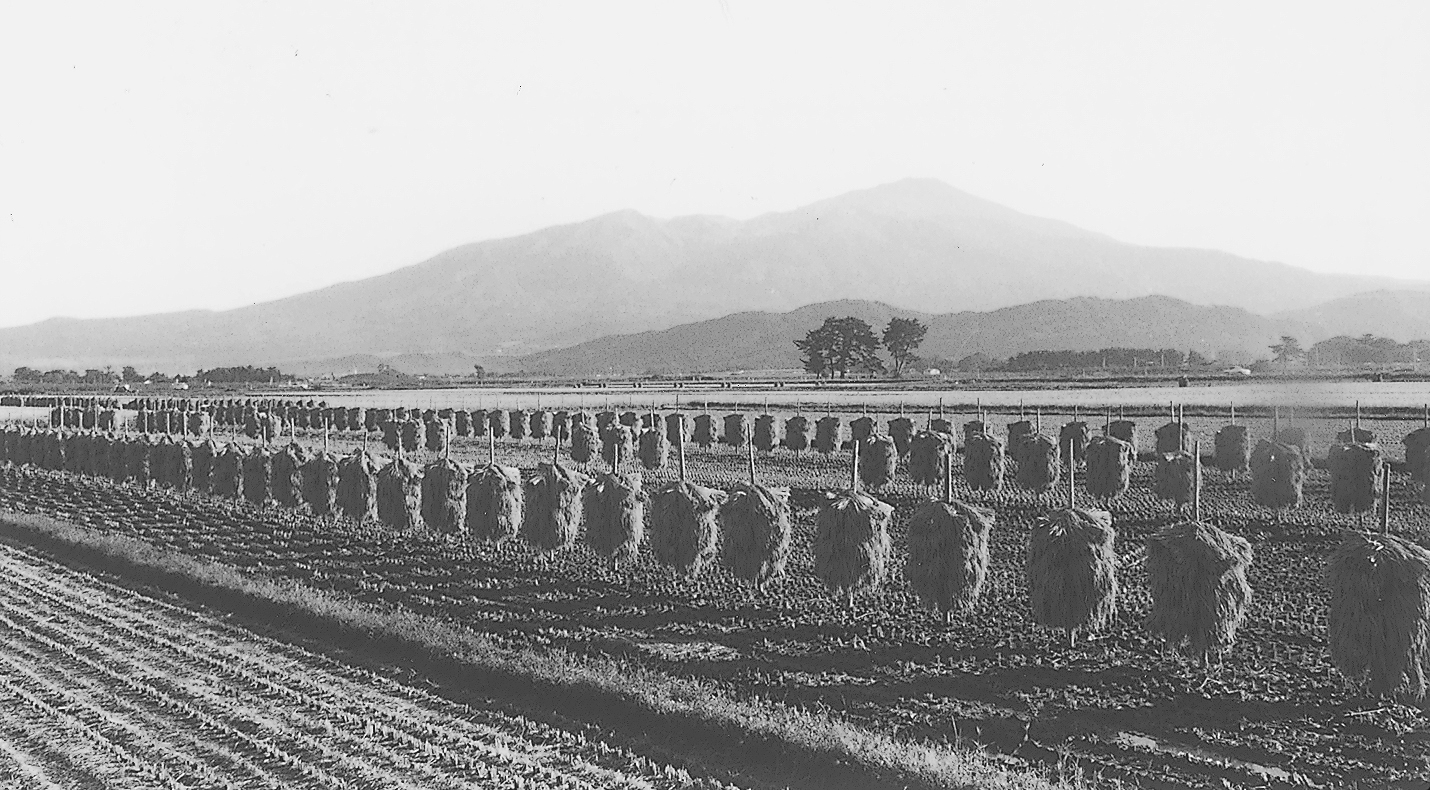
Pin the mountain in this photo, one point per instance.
(760, 340)
(1401, 315)
(917, 243)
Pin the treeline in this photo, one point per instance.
(246, 374)
(1345, 351)
(1110, 358)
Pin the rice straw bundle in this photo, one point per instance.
(496, 423)
(930, 454)
(257, 476)
(650, 421)
(618, 446)
(1233, 449)
(444, 496)
(604, 420)
(78, 458)
(462, 422)
(426, 416)
(901, 430)
(1109, 467)
(356, 490)
(828, 434)
(320, 477)
(519, 420)
(302, 418)
(251, 427)
(983, 462)
(585, 443)
(399, 495)
(392, 435)
(861, 428)
(615, 516)
(704, 433)
(439, 434)
(1171, 438)
(1379, 624)
(1039, 467)
(1017, 433)
(411, 434)
(1174, 477)
(199, 424)
(1355, 435)
(973, 428)
(1072, 570)
(654, 449)
(675, 428)
(684, 526)
(755, 523)
(180, 465)
(1075, 434)
(1124, 430)
(1355, 476)
(138, 457)
(1278, 474)
(1196, 574)
(480, 425)
(288, 475)
(539, 424)
(496, 503)
(737, 430)
(940, 425)
(851, 544)
(764, 438)
(878, 461)
(368, 419)
(554, 505)
(1417, 457)
(797, 434)
(1295, 437)
(948, 555)
(52, 450)
(629, 419)
(561, 426)
(400, 413)
(205, 454)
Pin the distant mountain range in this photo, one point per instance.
(919, 244)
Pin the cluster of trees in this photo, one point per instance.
(27, 375)
(246, 374)
(1110, 358)
(1365, 350)
(841, 346)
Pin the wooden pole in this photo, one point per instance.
(948, 480)
(750, 454)
(1233, 412)
(854, 470)
(680, 450)
(1197, 481)
(1385, 500)
(492, 445)
(1275, 422)
(1072, 478)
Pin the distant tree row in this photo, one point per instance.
(1111, 358)
(246, 374)
(1347, 351)
(841, 346)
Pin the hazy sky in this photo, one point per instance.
(164, 156)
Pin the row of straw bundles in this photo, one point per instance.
(683, 526)
(1196, 574)
(948, 555)
(1039, 464)
(1172, 438)
(1233, 449)
(1174, 476)
(878, 461)
(288, 475)
(1072, 570)
(1278, 474)
(852, 545)
(444, 497)
(1417, 460)
(755, 523)
(1379, 624)
(399, 495)
(828, 434)
(764, 438)
(983, 462)
(1355, 476)
(554, 507)
(653, 449)
(615, 517)
(356, 494)
(1073, 438)
(1109, 467)
(496, 503)
(930, 454)
(174, 464)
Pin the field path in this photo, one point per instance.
(101, 686)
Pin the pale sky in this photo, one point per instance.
(166, 156)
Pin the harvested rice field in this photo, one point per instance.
(101, 686)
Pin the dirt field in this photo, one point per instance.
(103, 687)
